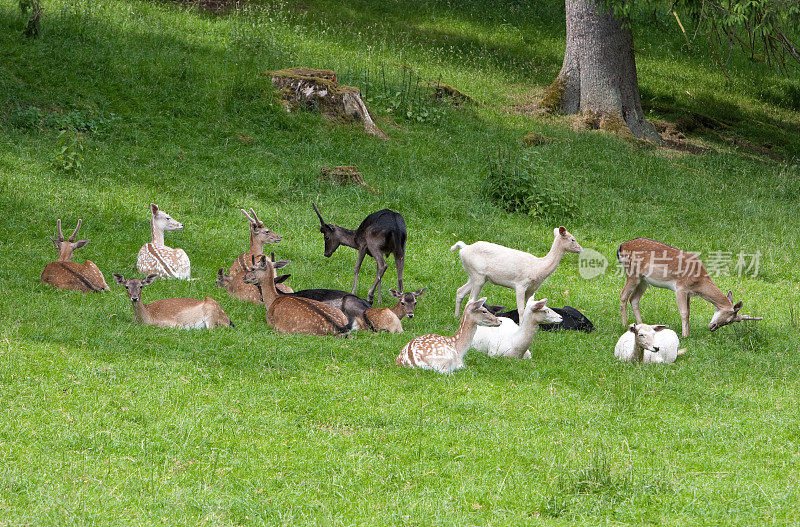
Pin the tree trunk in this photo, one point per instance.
(598, 78)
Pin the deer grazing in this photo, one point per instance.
(648, 262)
(66, 274)
(381, 233)
(182, 313)
(446, 354)
(518, 270)
(510, 339)
(259, 235)
(390, 319)
(648, 344)
(155, 257)
(292, 314)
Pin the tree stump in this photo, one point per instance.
(320, 90)
(344, 175)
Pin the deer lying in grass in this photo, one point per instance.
(381, 233)
(182, 313)
(571, 319)
(292, 314)
(446, 354)
(66, 274)
(390, 319)
(518, 270)
(259, 235)
(237, 288)
(648, 344)
(155, 257)
(648, 262)
(510, 339)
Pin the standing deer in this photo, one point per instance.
(66, 274)
(183, 313)
(157, 258)
(259, 235)
(446, 354)
(648, 262)
(381, 233)
(390, 319)
(523, 272)
(291, 314)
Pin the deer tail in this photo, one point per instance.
(458, 245)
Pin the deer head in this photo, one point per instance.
(328, 231)
(482, 316)
(567, 240)
(262, 268)
(407, 301)
(134, 285)
(258, 231)
(67, 247)
(645, 335)
(539, 309)
(729, 315)
(163, 221)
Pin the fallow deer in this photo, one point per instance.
(521, 271)
(390, 319)
(238, 288)
(66, 274)
(155, 257)
(259, 235)
(446, 354)
(183, 313)
(292, 314)
(648, 262)
(381, 233)
(510, 339)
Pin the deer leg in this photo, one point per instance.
(522, 291)
(399, 263)
(627, 290)
(376, 287)
(361, 254)
(461, 293)
(683, 309)
(635, 297)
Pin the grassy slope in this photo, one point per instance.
(103, 421)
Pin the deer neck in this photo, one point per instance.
(64, 254)
(256, 247)
(527, 330)
(709, 292)
(553, 257)
(463, 338)
(398, 310)
(267, 288)
(347, 237)
(156, 234)
(140, 311)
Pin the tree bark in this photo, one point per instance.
(598, 77)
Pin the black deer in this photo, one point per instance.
(571, 318)
(381, 233)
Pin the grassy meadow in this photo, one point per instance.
(122, 103)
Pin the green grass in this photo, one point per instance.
(107, 422)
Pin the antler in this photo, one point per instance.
(248, 216)
(58, 227)
(748, 317)
(258, 222)
(75, 232)
(318, 214)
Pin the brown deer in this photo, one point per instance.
(390, 319)
(259, 235)
(381, 233)
(183, 313)
(648, 262)
(157, 258)
(446, 354)
(291, 314)
(66, 274)
(238, 288)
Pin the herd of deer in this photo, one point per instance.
(252, 278)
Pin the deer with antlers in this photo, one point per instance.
(259, 235)
(291, 314)
(381, 233)
(155, 257)
(446, 354)
(66, 274)
(182, 313)
(648, 262)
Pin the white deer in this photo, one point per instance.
(648, 344)
(518, 270)
(648, 262)
(155, 257)
(510, 339)
(446, 354)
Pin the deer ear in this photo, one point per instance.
(280, 264)
(659, 327)
(149, 279)
(419, 292)
(221, 273)
(394, 293)
(118, 278)
(479, 303)
(539, 304)
(80, 243)
(562, 230)
(730, 296)
(737, 307)
(153, 208)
